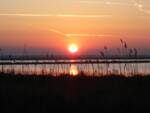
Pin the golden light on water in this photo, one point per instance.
(73, 70)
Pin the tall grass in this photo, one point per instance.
(99, 69)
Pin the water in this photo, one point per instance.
(90, 69)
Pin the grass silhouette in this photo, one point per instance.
(74, 94)
(45, 93)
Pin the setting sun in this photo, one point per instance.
(73, 48)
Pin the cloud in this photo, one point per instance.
(57, 32)
(58, 15)
(63, 35)
(75, 35)
(26, 15)
(87, 35)
(140, 7)
(106, 3)
(132, 3)
(84, 16)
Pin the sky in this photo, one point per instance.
(51, 25)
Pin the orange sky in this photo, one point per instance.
(90, 24)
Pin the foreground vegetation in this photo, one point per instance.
(80, 94)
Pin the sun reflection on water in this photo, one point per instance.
(73, 70)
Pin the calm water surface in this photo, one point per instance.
(97, 69)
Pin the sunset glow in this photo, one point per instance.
(91, 24)
(74, 56)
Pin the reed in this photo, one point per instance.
(89, 68)
(1, 55)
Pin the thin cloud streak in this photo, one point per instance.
(26, 15)
(58, 15)
(75, 35)
(85, 16)
(106, 3)
(134, 3)
(87, 35)
(57, 32)
(140, 7)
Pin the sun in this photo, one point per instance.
(73, 48)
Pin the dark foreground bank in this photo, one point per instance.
(31, 94)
